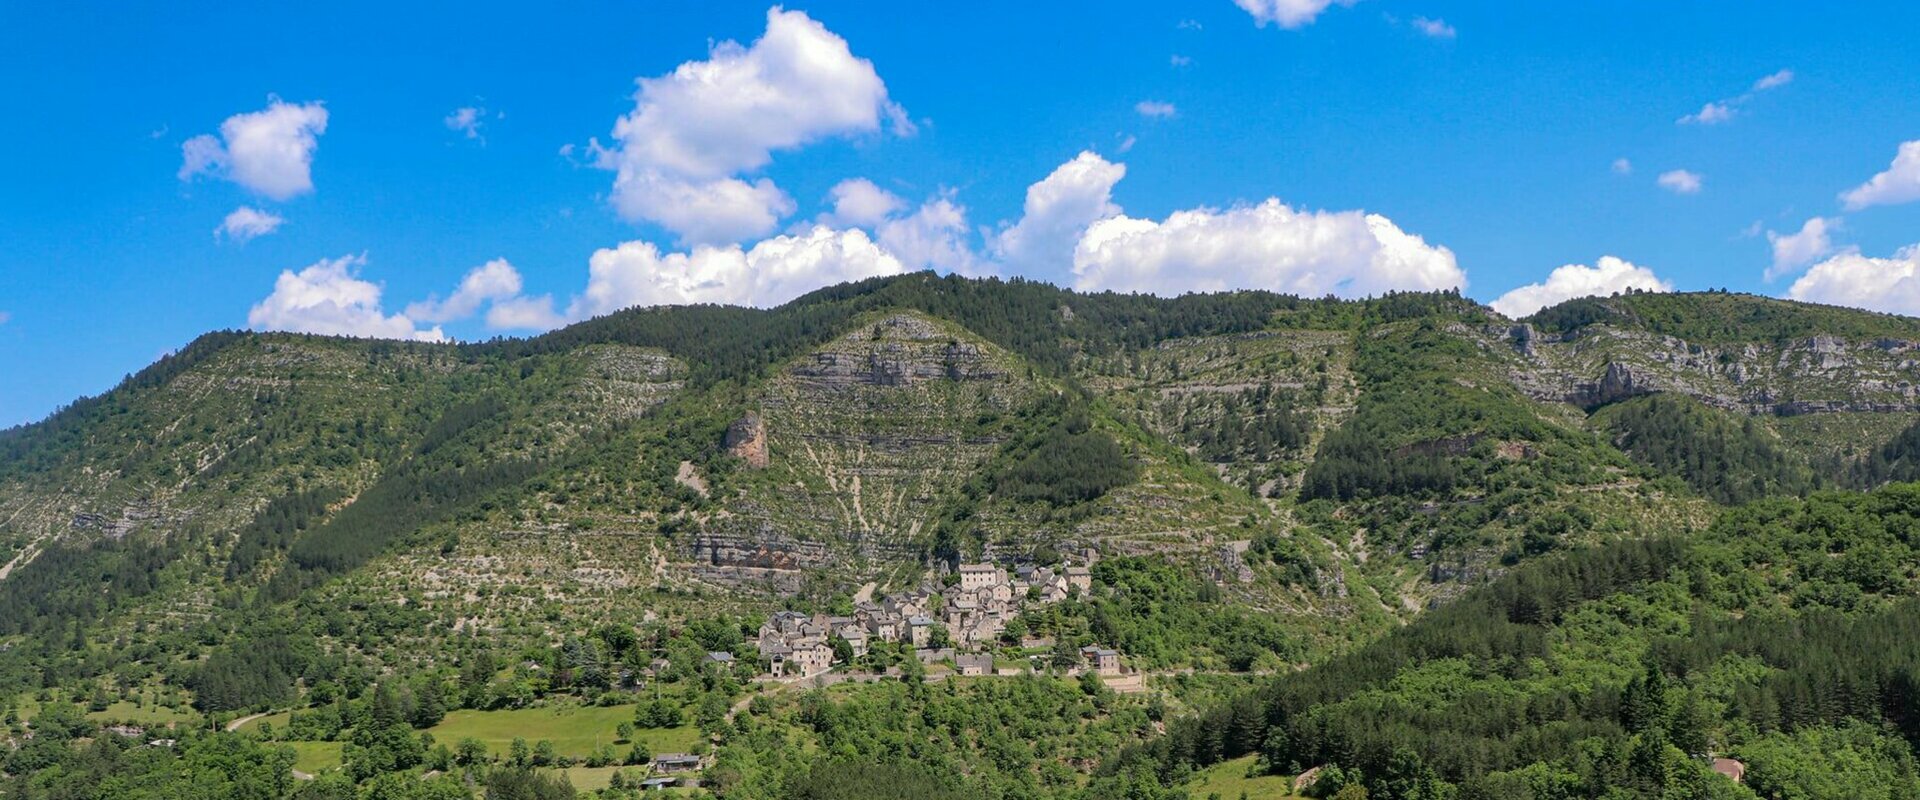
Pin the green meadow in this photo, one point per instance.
(575, 731)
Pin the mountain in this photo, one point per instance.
(1267, 482)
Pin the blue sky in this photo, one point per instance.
(1287, 144)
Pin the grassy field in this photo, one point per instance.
(1229, 781)
(574, 730)
(150, 715)
(277, 720)
(121, 711)
(314, 758)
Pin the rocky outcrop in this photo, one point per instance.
(620, 381)
(747, 441)
(1453, 446)
(765, 548)
(1601, 364)
(901, 350)
(1618, 383)
(689, 476)
(764, 557)
(1523, 337)
(132, 517)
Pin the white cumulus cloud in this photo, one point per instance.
(466, 120)
(1268, 246)
(270, 152)
(1851, 279)
(1622, 166)
(524, 313)
(679, 153)
(1434, 28)
(1155, 109)
(934, 236)
(1680, 181)
(715, 211)
(1610, 275)
(1719, 111)
(1057, 211)
(246, 223)
(774, 271)
(493, 281)
(1288, 14)
(859, 202)
(1713, 113)
(1792, 251)
(1774, 81)
(1900, 183)
(329, 298)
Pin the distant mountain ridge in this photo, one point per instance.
(1342, 464)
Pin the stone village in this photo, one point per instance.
(956, 620)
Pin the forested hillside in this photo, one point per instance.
(1779, 636)
(1466, 546)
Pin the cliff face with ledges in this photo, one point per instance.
(1601, 364)
(852, 446)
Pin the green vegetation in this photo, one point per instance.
(1262, 427)
(314, 758)
(575, 731)
(1727, 459)
(1165, 618)
(1240, 777)
(855, 780)
(1382, 537)
(1897, 460)
(1723, 317)
(1067, 463)
(67, 758)
(734, 344)
(1423, 427)
(1613, 668)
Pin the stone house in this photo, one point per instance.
(857, 640)
(980, 576)
(920, 631)
(777, 655)
(811, 658)
(905, 606)
(972, 664)
(787, 622)
(1101, 660)
(960, 612)
(884, 627)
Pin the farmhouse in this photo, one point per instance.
(676, 762)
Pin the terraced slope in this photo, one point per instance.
(850, 447)
(1342, 464)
